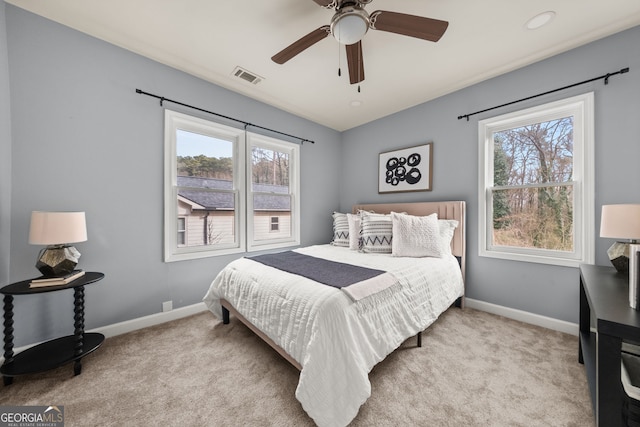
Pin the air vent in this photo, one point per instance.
(247, 75)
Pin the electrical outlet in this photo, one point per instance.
(167, 306)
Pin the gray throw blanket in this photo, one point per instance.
(336, 274)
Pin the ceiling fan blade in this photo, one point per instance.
(305, 42)
(355, 62)
(408, 25)
(324, 3)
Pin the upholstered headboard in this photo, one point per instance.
(445, 210)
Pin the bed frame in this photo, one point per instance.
(445, 210)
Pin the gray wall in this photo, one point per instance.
(5, 153)
(81, 138)
(545, 290)
(84, 140)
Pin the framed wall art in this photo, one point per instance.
(407, 169)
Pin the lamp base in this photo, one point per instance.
(619, 256)
(56, 261)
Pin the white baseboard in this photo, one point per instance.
(511, 313)
(135, 324)
(150, 320)
(178, 313)
(524, 316)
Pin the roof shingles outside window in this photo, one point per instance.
(276, 200)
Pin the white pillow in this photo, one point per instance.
(376, 233)
(340, 230)
(447, 228)
(355, 238)
(416, 236)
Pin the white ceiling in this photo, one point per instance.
(209, 38)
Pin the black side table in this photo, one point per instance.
(606, 321)
(54, 353)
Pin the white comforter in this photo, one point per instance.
(338, 341)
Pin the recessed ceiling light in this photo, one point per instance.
(356, 103)
(540, 20)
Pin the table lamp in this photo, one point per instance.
(57, 230)
(622, 222)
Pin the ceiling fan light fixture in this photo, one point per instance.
(349, 24)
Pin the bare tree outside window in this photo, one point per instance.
(533, 188)
(269, 167)
(536, 183)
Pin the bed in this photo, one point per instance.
(336, 335)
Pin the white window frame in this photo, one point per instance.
(243, 229)
(581, 107)
(293, 150)
(173, 122)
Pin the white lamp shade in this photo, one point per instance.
(620, 221)
(57, 228)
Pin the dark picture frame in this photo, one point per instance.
(406, 169)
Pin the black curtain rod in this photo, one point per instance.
(605, 77)
(163, 99)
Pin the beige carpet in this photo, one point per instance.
(474, 369)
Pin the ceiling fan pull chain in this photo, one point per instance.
(339, 62)
(360, 59)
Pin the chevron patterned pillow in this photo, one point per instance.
(376, 233)
(340, 230)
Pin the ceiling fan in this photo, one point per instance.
(351, 22)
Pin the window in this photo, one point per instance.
(207, 199)
(273, 175)
(182, 231)
(536, 184)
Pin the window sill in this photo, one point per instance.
(538, 259)
(185, 256)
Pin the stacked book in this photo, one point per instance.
(56, 281)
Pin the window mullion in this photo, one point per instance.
(539, 185)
